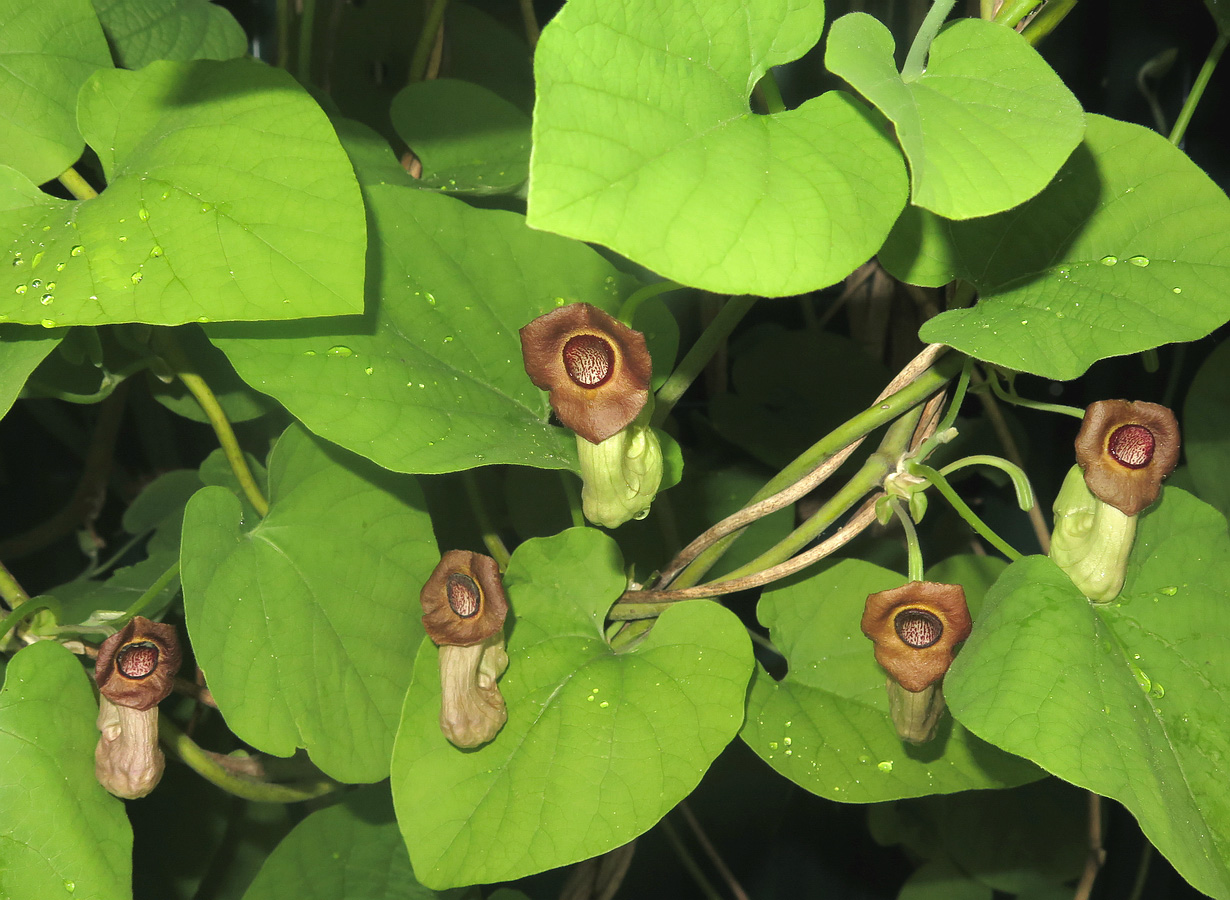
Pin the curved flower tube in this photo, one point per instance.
(464, 607)
(596, 368)
(135, 671)
(1125, 449)
(1091, 540)
(620, 476)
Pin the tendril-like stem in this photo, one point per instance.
(941, 484)
(915, 61)
(1020, 481)
(1017, 400)
(1197, 91)
(912, 546)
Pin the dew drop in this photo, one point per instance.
(369, 370)
(1169, 590)
(136, 277)
(1109, 260)
(143, 214)
(48, 323)
(51, 285)
(885, 765)
(46, 299)
(156, 250)
(786, 741)
(1157, 691)
(448, 339)
(36, 283)
(772, 745)
(18, 260)
(206, 207)
(60, 266)
(340, 352)
(70, 886)
(1141, 261)
(202, 318)
(431, 298)
(21, 289)
(76, 251)
(309, 352)
(604, 704)
(1178, 290)
(165, 194)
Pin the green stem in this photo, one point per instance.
(915, 61)
(24, 611)
(627, 312)
(531, 23)
(1017, 400)
(1020, 481)
(1054, 12)
(168, 347)
(771, 93)
(139, 605)
(632, 633)
(427, 39)
(912, 546)
(1142, 871)
(1197, 91)
(830, 445)
(940, 484)
(204, 764)
(307, 23)
(10, 589)
(714, 335)
(76, 185)
(1013, 11)
(491, 540)
(574, 499)
(283, 57)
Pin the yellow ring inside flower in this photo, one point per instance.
(589, 360)
(1131, 446)
(918, 628)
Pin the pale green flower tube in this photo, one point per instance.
(1092, 540)
(621, 474)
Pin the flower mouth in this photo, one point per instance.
(464, 595)
(1131, 446)
(589, 360)
(137, 660)
(918, 628)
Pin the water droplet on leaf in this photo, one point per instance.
(885, 765)
(136, 277)
(1141, 261)
(340, 352)
(76, 251)
(1109, 260)
(143, 214)
(155, 251)
(21, 289)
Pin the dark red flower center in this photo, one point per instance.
(464, 597)
(589, 360)
(918, 628)
(137, 660)
(1131, 446)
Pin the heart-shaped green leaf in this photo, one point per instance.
(598, 745)
(228, 197)
(644, 141)
(984, 128)
(1117, 698)
(22, 348)
(470, 140)
(141, 31)
(305, 622)
(48, 48)
(826, 725)
(431, 378)
(63, 834)
(1206, 429)
(352, 850)
(1129, 248)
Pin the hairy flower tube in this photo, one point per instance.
(916, 628)
(1125, 449)
(1092, 540)
(135, 671)
(463, 612)
(596, 368)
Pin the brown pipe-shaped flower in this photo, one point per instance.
(135, 671)
(916, 628)
(596, 368)
(1125, 449)
(464, 607)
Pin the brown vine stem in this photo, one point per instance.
(689, 863)
(1097, 853)
(83, 507)
(711, 852)
(804, 475)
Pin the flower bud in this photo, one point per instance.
(1125, 449)
(620, 476)
(596, 368)
(1092, 539)
(464, 607)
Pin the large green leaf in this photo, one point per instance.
(228, 197)
(350, 851)
(48, 48)
(431, 378)
(22, 348)
(826, 725)
(986, 125)
(62, 833)
(644, 141)
(141, 31)
(1129, 248)
(598, 745)
(1206, 429)
(1124, 698)
(469, 139)
(304, 622)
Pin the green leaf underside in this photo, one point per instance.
(1206, 429)
(1128, 249)
(22, 348)
(48, 48)
(469, 139)
(228, 198)
(597, 747)
(826, 725)
(141, 31)
(305, 622)
(1116, 698)
(63, 834)
(431, 378)
(984, 128)
(689, 182)
(352, 850)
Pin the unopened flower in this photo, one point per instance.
(1125, 449)
(596, 368)
(135, 671)
(463, 612)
